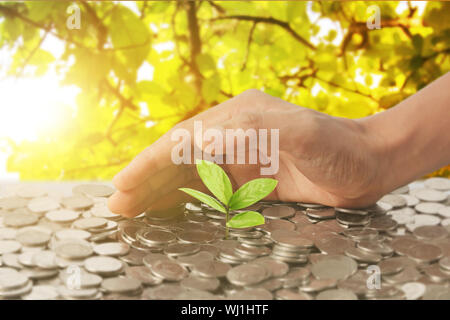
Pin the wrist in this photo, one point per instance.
(386, 145)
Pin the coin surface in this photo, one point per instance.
(81, 250)
(247, 274)
(169, 270)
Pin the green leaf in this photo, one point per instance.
(210, 201)
(252, 192)
(215, 179)
(246, 219)
(129, 35)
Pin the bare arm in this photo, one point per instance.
(413, 138)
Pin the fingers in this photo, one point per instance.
(143, 195)
(159, 155)
(124, 202)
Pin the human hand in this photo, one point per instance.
(322, 159)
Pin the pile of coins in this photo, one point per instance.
(66, 244)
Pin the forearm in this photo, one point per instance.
(413, 138)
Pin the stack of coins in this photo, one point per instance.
(60, 241)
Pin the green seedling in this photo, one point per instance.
(217, 181)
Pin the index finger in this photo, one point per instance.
(157, 156)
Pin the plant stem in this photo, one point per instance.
(226, 221)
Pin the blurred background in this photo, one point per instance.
(79, 103)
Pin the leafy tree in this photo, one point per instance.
(219, 49)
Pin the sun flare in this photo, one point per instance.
(32, 106)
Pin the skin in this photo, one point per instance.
(323, 159)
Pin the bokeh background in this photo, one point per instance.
(80, 104)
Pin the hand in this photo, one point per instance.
(322, 159)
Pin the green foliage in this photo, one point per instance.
(345, 70)
(246, 219)
(217, 181)
(210, 201)
(251, 192)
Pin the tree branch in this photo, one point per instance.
(249, 43)
(270, 20)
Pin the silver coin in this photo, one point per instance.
(445, 212)
(167, 291)
(360, 212)
(401, 190)
(103, 265)
(93, 190)
(200, 283)
(375, 247)
(271, 284)
(425, 253)
(430, 232)
(90, 223)
(363, 256)
(17, 292)
(77, 293)
(121, 285)
(391, 266)
(11, 260)
(142, 274)
(62, 216)
(19, 219)
(111, 249)
(411, 201)
(77, 203)
(75, 277)
(43, 204)
(336, 294)
(73, 249)
(195, 237)
(211, 269)
(155, 237)
(444, 263)
(9, 246)
(413, 290)
(169, 270)
(102, 211)
(429, 207)
(37, 274)
(45, 259)
(66, 234)
(12, 281)
(7, 233)
(151, 258)
(181, 249)
(429, 195)
(278, 212)
(272, 225)
(251, 294)
(42, 292)
(335, 267)
(30, 191)
(247, 274)
(438, 183)
(295, 277)
(285, 294)
(12, 203)
(396, 201)
(32, 236)
(316, 285)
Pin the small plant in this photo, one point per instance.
(217, 181)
